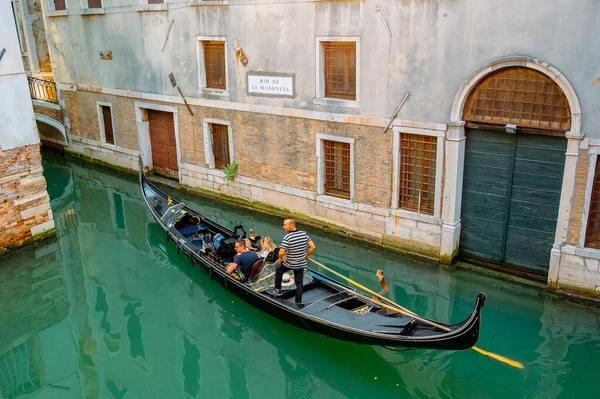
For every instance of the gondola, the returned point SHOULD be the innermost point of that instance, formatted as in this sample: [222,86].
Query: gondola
[329,307]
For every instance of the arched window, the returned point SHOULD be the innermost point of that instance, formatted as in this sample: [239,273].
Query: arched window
[520,96]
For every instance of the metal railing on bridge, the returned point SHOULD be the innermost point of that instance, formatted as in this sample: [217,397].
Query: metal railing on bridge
[43,90]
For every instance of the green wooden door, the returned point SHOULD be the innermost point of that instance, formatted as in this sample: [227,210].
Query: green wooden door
[511,194]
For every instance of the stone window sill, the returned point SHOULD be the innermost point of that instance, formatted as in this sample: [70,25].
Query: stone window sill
[215,172]
[151,7]
[57,13]
[588,253]
[45,104]
[92,11]
[214,92]
[208,2]
[335,102]
[419,217]
[344,203]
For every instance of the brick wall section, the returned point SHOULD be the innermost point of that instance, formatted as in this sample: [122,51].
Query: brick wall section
[49,112]
[577,204]
[270,148]
[24,203]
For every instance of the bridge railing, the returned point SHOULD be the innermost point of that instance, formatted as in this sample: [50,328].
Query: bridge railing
[43,90]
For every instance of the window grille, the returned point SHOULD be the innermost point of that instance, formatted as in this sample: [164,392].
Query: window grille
[521,96]
[214,64]
[340,69]
[592,235]
[337,168]
[220,145]
[417,172]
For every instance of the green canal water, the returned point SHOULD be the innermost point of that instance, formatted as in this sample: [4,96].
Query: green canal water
[109,309]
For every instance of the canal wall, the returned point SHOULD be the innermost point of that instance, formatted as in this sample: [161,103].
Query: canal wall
[25,213]
[277,173]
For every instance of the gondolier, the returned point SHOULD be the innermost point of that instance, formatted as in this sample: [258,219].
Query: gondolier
[295,248]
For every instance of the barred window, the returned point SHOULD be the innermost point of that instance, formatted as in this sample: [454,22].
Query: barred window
[417,172]
[592,236]
[337,169]
[214,64]
[340,69]
[220,145]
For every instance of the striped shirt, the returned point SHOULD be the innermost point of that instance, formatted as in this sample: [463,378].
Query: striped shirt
[295,247]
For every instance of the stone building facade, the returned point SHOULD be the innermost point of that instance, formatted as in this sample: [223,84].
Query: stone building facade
[25,213]
[302,106]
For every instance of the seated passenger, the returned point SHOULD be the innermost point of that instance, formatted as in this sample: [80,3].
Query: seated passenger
[243,260]
[249,246]
[267,245]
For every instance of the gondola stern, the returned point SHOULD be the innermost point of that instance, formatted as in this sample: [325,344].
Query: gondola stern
[471,335]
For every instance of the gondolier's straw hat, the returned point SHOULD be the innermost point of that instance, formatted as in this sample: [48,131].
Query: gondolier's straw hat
[287,280]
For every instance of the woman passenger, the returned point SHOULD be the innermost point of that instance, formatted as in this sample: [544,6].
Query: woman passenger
[267,246]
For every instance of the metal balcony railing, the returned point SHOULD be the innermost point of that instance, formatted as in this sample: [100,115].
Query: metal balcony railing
[43,90]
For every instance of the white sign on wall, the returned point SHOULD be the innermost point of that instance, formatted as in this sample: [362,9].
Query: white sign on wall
[271,85]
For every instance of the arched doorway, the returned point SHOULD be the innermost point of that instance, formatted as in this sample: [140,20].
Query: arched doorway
[516,119]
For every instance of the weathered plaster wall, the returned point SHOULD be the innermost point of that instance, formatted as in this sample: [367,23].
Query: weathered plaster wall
[24,204]
[38,31]
[434,47]
[17,124]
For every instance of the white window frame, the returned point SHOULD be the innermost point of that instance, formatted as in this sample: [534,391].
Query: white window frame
[209,156]
[99,105]
[143,131]
[320,98]
[85,10]
[202,89]
[439,165]
[589,187]
[321,196]
[144,6]
[51,6]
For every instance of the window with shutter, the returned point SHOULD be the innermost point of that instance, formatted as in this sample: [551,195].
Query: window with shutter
[340,70]
[214,64]
[109,137]
[220,145]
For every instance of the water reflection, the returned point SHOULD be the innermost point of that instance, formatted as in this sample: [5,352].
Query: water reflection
[298,382]
[109,309]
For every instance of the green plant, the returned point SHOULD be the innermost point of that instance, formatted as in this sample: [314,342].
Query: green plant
[231,171]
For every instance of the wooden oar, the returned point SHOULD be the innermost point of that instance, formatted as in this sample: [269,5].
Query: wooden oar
[405,311]
[397,307]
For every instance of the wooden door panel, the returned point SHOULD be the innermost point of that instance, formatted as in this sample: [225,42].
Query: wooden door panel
[535,199]
[163,142]
[488,168]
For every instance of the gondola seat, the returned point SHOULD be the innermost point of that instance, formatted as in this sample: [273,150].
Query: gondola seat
[256,268]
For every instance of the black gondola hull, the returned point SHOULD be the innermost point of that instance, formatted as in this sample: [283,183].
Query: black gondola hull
[463,335]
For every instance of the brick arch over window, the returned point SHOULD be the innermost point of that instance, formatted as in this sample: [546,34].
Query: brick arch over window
[521,96]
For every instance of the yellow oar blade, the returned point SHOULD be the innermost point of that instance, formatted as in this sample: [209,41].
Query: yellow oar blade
[499,358]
